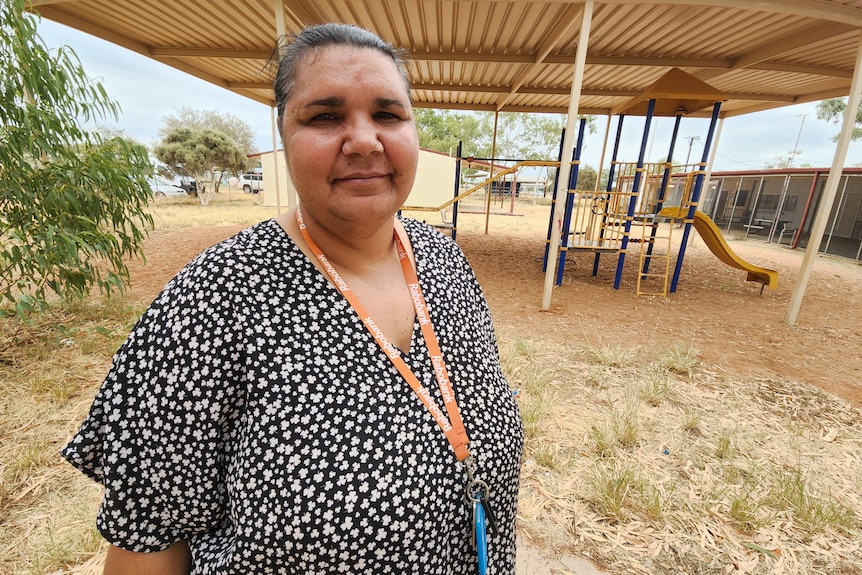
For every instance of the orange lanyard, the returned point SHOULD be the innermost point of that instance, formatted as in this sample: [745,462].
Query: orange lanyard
[453,426]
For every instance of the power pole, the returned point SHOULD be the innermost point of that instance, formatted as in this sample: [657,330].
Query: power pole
[691,140]
[795,149]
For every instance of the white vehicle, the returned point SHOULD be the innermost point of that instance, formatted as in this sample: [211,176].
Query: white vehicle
[251,183]
[162,188]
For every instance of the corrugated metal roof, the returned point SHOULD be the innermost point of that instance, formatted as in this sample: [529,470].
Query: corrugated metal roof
[497,55]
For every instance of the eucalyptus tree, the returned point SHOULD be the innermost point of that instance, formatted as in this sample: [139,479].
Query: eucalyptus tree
[832,110]
[229,124]
[205,155]
[73,202]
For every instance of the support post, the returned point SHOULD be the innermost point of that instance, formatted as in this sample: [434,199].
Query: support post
[828,198]
[695,197]
[278,7]
[610,187]
[574,104]
[456,190]
[567,214]
[491,173]
[662,192]
[553,201]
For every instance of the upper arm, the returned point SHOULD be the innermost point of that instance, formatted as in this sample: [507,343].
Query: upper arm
[175,560]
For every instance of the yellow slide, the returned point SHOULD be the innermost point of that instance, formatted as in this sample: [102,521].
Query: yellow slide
[715,242]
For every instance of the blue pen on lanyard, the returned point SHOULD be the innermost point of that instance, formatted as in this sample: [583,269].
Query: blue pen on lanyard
[481,536]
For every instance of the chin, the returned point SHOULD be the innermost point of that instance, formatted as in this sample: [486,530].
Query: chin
[373,207]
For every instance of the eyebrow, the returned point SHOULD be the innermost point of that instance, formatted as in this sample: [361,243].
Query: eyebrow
[329,102]
[339,102]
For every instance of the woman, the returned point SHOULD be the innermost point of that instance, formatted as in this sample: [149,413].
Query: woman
[320,393]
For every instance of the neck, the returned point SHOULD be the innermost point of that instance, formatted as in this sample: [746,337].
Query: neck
[352,249]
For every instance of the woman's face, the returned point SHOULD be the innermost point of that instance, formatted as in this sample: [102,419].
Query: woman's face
[349,137]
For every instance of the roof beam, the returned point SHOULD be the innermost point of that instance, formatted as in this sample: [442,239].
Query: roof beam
[573,15]
[775,48]
[509,108]
[724,64]
[607,93]
[467,57]
[462,88]
[567,59]
[173,52]
[646,61]
[179,52]
[802,69]
[820,9]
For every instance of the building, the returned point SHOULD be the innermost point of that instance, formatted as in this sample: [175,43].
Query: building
[779,206]
[434,185]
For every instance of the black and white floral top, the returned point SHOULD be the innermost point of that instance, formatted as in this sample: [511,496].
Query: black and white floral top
[251,413]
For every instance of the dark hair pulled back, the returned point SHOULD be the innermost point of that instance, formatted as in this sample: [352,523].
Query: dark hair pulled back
[295,47]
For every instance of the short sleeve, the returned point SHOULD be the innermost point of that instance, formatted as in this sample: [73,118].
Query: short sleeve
[158,431]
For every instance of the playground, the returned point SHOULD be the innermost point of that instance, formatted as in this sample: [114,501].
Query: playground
[714,309]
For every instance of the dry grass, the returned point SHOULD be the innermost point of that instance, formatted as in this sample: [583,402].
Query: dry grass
[646,461]
[228,207]
[661,466]
[51,368]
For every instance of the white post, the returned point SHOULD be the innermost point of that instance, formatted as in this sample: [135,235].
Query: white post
[275,178]
[825,207]
[711,163]
[566,156]
[278,7]
[491,172]
[602,157]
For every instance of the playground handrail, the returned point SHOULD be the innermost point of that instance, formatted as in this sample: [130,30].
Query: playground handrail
[479,186]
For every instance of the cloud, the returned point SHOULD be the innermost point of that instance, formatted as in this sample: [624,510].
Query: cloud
[148,90]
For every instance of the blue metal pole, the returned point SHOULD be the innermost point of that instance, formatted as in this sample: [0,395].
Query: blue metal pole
[695,196]
[553,201]
[621,259]
[570,197]
[662,190]
[610,186]
[457,187]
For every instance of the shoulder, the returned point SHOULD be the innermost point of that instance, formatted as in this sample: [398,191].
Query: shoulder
[428,241]
[245,254]
[438,258]
[254,242]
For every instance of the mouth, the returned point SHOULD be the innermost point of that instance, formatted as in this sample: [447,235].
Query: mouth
[361,179]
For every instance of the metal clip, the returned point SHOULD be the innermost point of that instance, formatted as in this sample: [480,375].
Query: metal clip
[470,465]
[477,491]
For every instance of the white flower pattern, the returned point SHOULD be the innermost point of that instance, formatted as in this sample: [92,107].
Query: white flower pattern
[251,413]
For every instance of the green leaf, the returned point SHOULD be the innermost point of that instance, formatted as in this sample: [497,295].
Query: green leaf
[763,550]
[68,195]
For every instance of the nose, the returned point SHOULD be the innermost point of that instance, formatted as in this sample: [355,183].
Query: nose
[361,138]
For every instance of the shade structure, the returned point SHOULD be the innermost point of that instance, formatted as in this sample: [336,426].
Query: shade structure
[511,56]
[675,93]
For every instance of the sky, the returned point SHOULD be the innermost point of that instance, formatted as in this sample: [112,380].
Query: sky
[148,91]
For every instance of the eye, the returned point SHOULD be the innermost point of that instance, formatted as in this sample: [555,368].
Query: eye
[325,117]
[387,116]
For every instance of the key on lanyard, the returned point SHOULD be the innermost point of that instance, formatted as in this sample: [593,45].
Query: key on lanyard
[478,494]
[480,536]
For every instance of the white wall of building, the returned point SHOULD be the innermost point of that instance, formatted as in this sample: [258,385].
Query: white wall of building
[434,185]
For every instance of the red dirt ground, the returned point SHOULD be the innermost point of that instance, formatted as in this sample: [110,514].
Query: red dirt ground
[725,318]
